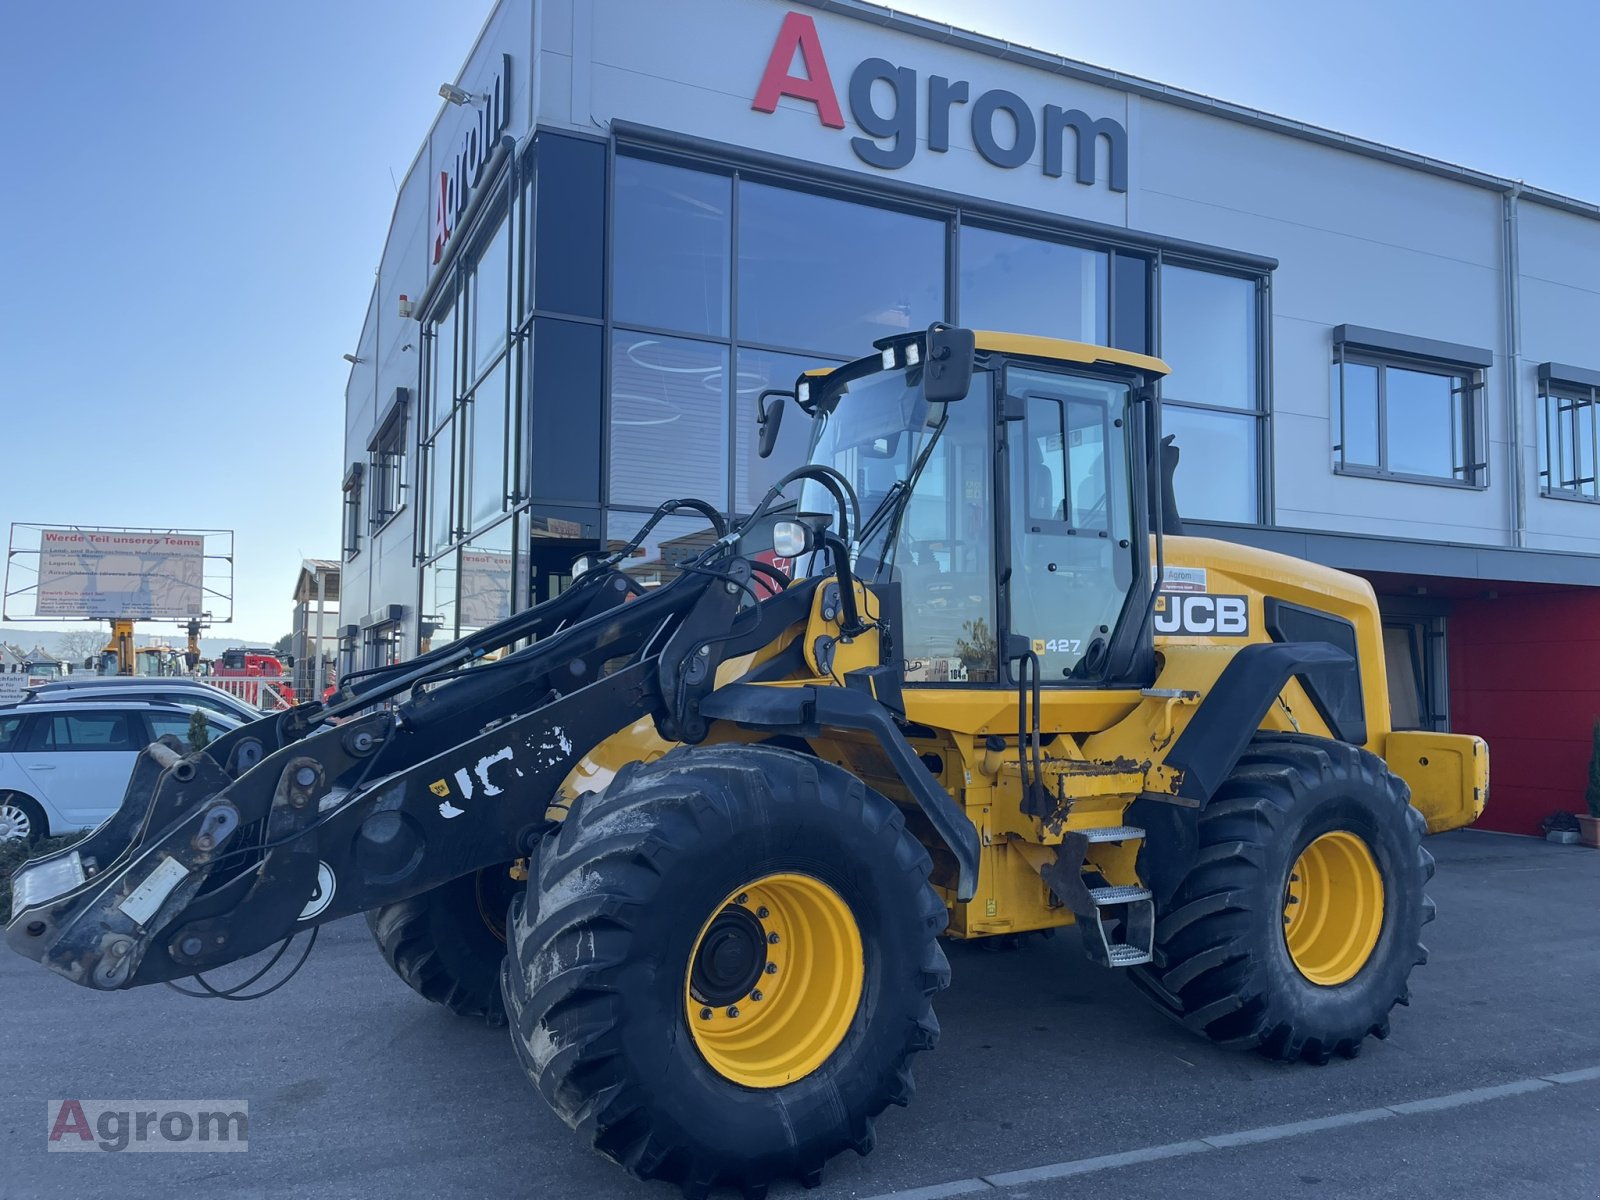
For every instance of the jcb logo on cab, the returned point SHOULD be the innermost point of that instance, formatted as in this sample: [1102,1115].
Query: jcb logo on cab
[1202,615]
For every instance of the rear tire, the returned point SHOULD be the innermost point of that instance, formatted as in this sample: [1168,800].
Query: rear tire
[641,881]
[448,943]
[1223,961]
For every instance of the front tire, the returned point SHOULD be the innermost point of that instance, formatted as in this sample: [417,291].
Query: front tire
[724,966]
[1298,924]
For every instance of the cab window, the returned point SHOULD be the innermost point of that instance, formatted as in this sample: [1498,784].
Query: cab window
[944,555]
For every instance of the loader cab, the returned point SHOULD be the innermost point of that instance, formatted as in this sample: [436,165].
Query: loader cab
[1014,520]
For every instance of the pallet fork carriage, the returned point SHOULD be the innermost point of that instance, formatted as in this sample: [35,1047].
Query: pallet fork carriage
[698,844]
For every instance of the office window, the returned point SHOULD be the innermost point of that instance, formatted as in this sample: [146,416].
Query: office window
[757,371]
[1571,439]
[352,510]
[1027,285]
[1213,402]
[669,420]
[386,462]
[672,241]
[437,614]
[490,296]
[819,273]
[484,462]
[442,374]
[1406,418]
[441,524]
[487,578]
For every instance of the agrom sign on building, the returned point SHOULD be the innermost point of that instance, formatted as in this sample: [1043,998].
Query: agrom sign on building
[1004,127]
[465,170]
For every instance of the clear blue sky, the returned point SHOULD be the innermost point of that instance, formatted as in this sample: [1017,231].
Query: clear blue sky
[197,194]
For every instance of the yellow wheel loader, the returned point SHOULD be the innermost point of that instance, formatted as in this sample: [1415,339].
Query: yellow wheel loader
[699,844]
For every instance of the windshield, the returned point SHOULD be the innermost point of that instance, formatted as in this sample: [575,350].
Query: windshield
[922,472]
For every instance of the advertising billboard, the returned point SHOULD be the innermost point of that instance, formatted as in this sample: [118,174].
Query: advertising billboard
[87,574]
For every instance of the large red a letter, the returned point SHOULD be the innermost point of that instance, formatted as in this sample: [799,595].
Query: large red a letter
[71,1119]
[799,32]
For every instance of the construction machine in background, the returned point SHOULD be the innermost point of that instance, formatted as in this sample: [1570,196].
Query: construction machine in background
[699,845]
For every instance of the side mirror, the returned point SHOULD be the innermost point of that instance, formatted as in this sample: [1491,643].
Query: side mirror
[769,419]
[948,375]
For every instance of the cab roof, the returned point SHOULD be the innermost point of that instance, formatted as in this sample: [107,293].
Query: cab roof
[1027,345]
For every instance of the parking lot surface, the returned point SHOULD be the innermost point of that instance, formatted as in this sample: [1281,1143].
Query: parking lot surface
[1053,1078]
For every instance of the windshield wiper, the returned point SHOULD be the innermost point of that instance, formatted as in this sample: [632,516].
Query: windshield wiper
[890,505]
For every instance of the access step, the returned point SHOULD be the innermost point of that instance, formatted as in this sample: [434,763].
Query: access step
[1113,833]
[1134,908]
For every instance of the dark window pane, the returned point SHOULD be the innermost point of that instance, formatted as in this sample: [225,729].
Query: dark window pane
[670,241]
[441,384]
[1360,414]
[569,219]
[441,519]
[566,405]
[1024,285]
[674,540]
[1216,479]
[1420,429]
[486,578]
[1130,296]
[489,299]
[822,274]
[438,618]
[1208,337]
[669,420]
[486,462]
[758,370]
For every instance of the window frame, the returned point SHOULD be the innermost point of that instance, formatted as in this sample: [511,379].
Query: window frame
[1260,411]
[386,464]
[1578,396]
[1469,442]
[353,530]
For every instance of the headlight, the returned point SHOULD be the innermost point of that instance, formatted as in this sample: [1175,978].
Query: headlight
[790,539]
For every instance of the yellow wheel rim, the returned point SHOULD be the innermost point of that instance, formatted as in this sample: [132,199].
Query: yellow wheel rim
[1333,908]
[774,980]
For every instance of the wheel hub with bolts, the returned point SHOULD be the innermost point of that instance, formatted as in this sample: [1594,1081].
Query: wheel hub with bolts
[15,824]
[774,981]
[1333,908]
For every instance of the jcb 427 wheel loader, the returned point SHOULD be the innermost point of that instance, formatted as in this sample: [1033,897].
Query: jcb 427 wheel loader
[1000,695]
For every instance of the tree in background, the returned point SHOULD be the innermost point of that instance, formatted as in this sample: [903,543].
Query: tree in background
[284,646]
[199,730]
[80,644]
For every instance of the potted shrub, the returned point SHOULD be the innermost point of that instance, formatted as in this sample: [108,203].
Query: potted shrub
[1589,825]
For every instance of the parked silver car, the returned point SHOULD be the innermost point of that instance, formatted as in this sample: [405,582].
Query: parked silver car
[64,765]
[133,687]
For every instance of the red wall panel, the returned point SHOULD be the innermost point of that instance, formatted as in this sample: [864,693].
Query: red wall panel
[1525,676]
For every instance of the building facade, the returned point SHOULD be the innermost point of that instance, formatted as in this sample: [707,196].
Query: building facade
[634,217]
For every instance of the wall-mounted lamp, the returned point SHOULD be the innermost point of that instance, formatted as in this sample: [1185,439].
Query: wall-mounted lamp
[352,359]
[456,95]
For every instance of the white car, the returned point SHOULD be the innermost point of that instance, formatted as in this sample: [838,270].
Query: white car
[64,766]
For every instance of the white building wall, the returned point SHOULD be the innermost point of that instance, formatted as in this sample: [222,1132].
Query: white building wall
[1560,291]
[1359,240]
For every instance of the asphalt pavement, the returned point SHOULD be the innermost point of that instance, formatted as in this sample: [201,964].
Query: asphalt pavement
[1053,1078]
